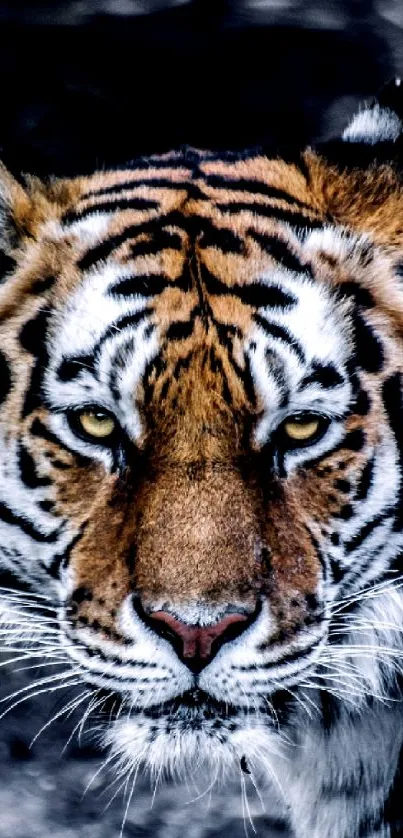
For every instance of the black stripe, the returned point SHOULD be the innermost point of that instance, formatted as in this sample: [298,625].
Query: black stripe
[110,206]
[296,219]
[181,364]
[70,368]
[345,512]
[28,472]
[280,333]
[353,441]
[114,659]
[336,568]
[279,250]
[366,530]
[216,365]
[361,296]
[247,379]
[393,402]
[342,485]
[256,187]
[10,517]
[292,658]
[102,251]
[145,285]
[33,333]
[124,322]
[369,351]
[154,183]
[38,428]
[154,368]
[393,810]
[33,339]
[361,403]
[7,266]
[365,482]
[225,334]
[177,161]
[63,558]
[47,505]
[181,329]
[163,240]
[33,396]
[42,284]
[5,377]
[256,294]
[355,574]
[324,374]
[218,237]
[118,362]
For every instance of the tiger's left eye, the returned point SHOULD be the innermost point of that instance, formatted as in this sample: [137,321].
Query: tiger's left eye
[303,429]
[97,423]
[94,424]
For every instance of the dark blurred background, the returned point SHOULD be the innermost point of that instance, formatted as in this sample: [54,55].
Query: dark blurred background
[91,83]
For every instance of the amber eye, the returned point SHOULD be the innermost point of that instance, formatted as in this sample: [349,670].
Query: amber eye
[303,429]
[94,423]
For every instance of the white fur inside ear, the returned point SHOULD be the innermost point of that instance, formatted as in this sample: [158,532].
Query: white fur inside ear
[374,125]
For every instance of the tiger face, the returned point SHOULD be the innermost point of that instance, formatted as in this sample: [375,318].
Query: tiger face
[201,442]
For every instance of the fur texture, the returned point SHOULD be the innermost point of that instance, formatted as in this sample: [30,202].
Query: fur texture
[203,302]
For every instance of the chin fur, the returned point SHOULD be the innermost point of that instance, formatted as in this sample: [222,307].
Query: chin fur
[184,752]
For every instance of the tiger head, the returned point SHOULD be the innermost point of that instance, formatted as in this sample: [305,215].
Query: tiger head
[201,434]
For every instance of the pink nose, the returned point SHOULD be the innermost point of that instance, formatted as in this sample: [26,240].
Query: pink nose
[195,643]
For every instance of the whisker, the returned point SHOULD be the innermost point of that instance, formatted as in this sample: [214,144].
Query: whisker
[30,696]
[72,705]
[60,662]
[371,592]
[21,594]
[40,683]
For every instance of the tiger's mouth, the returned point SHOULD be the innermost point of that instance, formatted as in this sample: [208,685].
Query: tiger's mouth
[196,708]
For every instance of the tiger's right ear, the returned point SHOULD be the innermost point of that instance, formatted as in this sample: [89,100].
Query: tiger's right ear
[16,219]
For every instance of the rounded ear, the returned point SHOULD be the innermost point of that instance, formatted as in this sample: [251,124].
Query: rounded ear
[375,133]
[15,208]
[358,178]
[380,121]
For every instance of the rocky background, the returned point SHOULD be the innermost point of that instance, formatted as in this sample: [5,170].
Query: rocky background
[91,83]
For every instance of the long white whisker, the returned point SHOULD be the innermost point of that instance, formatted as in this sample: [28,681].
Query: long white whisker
[32,595]
[40,683]
[29,696]
[61,662]
[72,705]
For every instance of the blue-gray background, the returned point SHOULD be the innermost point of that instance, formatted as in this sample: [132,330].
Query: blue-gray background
[89,83]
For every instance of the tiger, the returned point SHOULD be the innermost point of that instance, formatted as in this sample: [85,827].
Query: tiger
[201,458]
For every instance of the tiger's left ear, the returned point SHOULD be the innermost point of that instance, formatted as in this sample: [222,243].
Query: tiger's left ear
[381,121]
[358,178]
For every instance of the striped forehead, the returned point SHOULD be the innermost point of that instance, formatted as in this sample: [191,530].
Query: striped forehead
[293,346]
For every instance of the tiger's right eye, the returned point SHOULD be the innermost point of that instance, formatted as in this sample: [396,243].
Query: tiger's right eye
[302,429]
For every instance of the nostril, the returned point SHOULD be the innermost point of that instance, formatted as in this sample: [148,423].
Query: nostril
[196,645]
[197,641]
